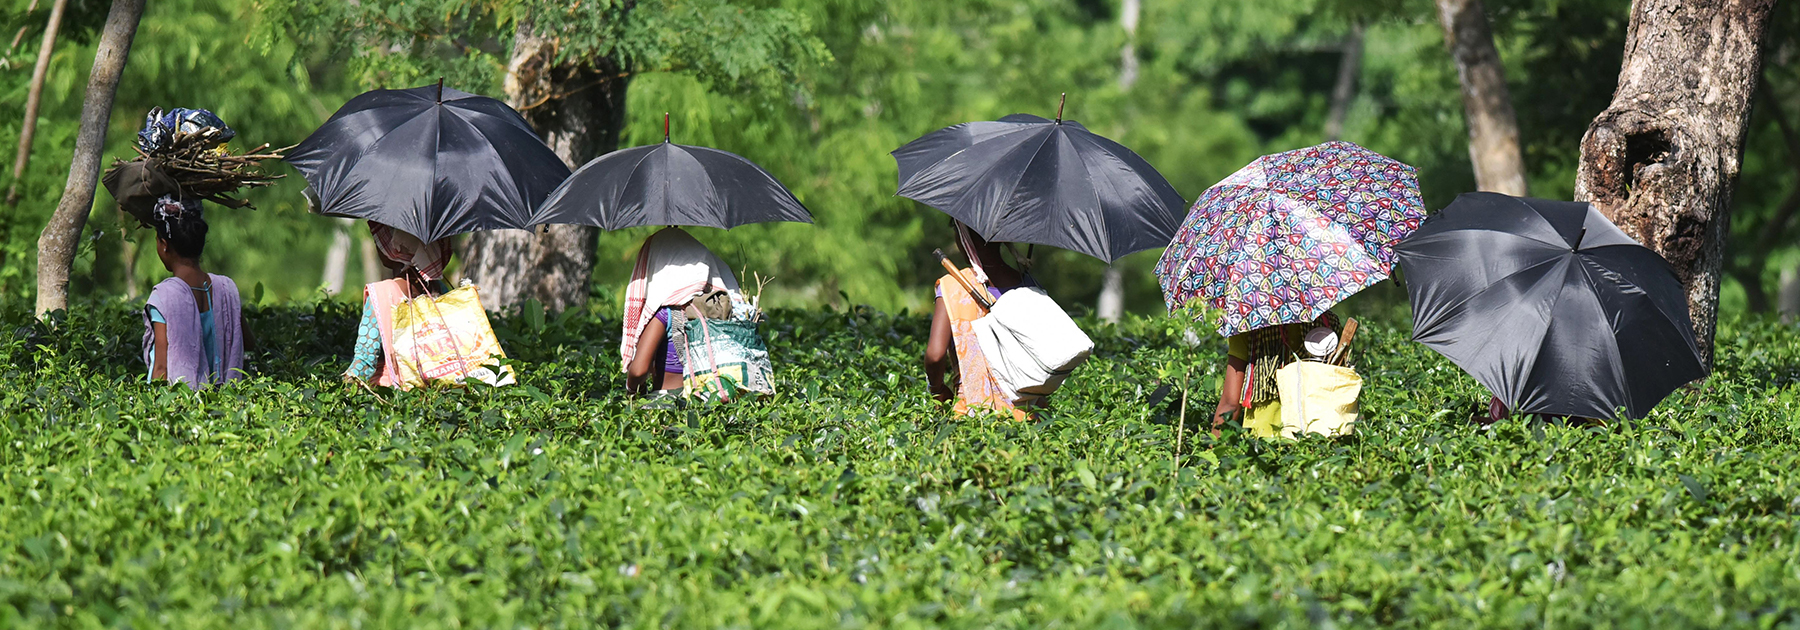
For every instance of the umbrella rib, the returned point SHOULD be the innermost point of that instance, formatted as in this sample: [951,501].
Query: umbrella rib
[1451,234]
[1490,285]
[1015,185]
[1612,341]
[1653,305]
[1659,311]
[630,176]
[357,158]
[437,147]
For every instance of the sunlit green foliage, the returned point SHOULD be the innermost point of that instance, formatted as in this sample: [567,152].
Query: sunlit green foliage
[188,53]
[819,91]
[850,500]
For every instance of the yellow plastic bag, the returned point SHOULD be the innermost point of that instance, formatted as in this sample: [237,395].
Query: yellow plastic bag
[445,340]
[1317,398]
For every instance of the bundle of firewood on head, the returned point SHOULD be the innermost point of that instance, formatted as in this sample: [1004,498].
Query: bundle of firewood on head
[182,157]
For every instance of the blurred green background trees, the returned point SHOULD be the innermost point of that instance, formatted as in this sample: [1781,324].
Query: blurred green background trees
[1218,83]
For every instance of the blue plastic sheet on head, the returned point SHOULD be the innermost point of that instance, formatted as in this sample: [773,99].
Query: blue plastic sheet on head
[160,127]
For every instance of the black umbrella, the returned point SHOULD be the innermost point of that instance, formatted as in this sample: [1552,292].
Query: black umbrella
[1550,306]
[1025,179]
[429,161]
[670,184]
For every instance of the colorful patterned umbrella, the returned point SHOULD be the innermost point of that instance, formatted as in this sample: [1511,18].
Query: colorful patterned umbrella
[1290,235]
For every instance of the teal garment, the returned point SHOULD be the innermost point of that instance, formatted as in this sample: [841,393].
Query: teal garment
[211,335]
[366,358]
[368,345]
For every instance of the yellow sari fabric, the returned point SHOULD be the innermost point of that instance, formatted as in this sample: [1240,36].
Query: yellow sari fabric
[976,391]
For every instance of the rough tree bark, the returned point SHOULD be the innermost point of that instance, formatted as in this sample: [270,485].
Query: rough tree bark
[579,109]
[1111,304]
[1493,129]
[1344,91]
[57,244]
[1662,159]
[33,98]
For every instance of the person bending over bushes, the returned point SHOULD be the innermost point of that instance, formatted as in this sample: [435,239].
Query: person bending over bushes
[953,318]
[419,268]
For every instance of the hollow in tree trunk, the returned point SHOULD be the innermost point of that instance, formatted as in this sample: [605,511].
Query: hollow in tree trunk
[1493,129]
[579,109]
[58,242]
[1662,159]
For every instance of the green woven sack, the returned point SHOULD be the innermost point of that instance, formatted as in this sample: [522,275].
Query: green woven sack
[727,360]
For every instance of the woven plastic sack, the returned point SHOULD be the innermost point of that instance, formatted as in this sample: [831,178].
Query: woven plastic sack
[1317,398]
[1030,344]
[445,340]
[726,360]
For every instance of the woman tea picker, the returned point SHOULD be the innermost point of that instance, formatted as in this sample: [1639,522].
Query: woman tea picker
[676,280]
[419,268]
[953,334]
[1251,360]
[193,323]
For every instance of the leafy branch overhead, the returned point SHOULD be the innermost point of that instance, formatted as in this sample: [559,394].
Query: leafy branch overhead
[394,43]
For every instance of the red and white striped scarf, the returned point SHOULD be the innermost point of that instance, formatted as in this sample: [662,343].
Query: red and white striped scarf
[671,269]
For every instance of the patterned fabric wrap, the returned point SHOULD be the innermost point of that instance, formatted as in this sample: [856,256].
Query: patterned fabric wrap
[398,246]
[1291,235]
[726,360]
[168,208]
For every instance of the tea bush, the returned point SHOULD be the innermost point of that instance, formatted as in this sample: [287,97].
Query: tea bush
[850,499]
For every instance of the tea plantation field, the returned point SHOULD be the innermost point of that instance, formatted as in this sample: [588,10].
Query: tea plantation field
[850,500]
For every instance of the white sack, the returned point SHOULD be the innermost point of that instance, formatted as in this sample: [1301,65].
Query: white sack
[1030,344]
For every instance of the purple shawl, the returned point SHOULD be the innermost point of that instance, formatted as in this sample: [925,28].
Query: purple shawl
[187,361]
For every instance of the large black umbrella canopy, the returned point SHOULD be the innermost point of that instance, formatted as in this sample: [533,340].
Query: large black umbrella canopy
[670,184]
[429,161]
[1025,179]
[1550,306]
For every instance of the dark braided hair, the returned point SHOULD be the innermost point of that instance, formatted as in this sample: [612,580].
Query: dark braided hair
[185,233]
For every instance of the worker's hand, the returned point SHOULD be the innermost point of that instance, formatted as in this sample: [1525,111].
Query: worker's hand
[942,392]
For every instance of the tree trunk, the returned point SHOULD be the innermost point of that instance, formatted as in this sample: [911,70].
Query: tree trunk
[371,267]
[579,110]
[1774,232]
[337,258]
[1787,301]
[1128,61]
[1756,298]
[33,98]
[57,244]
[1493,129]
[1662,159]
[1111,304]
[1349,68]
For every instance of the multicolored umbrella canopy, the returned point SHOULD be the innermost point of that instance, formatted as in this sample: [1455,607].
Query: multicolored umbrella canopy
[1292,234]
